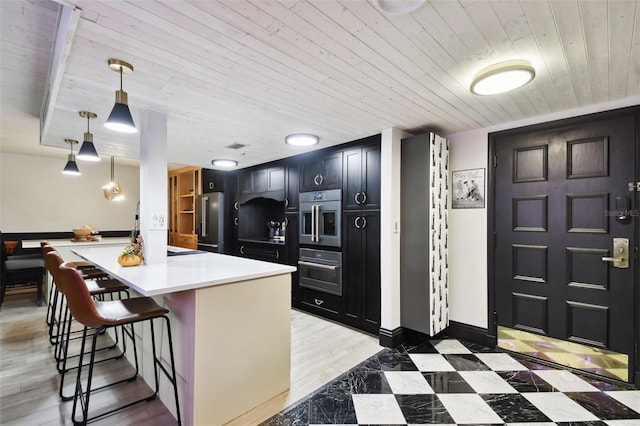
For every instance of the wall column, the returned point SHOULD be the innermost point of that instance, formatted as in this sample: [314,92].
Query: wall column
[153,186]
[390,330]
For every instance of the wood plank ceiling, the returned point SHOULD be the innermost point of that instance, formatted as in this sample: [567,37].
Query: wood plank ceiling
[251,72]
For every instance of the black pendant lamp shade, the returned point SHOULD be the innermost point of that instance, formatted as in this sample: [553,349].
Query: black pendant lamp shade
[120,118]
[71,168]
[88,150]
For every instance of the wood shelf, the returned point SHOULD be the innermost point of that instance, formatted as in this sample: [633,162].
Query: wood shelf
[184,184]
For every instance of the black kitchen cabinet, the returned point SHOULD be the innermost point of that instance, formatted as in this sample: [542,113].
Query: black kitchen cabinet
[292,249]
[361,177]
[361,266]
[320,173]
[232,211]
[292,187]
[265,182]
[270,252]
[212,180]
[321,303]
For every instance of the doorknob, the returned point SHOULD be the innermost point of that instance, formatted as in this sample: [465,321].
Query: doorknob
[621,253]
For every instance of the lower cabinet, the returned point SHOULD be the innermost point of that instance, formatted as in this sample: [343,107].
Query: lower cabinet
[321,303]
[189,241]
[361,266]
[262,251]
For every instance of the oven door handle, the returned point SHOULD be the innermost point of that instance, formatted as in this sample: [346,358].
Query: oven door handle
[317,265]
[317,207]
[313,223]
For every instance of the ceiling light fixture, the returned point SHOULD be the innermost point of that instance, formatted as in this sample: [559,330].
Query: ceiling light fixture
[112,190]
[502,77]
[398,7]
[120,118]
[301,139]
[88,150]
[71,168]
[225,164]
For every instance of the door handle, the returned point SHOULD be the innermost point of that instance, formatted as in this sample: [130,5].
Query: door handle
[356,197]
[364,197]
[203,217]
[356,222]
[317,223]
[241,249]
[621,253]
[235,221]
[318,301]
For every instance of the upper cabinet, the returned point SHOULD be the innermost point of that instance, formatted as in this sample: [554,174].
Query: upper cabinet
[321,173]
[361,177]
[292,187]
[212,180]
[267,182]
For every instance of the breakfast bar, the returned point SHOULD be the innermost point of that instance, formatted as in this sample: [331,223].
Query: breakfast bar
[230,320]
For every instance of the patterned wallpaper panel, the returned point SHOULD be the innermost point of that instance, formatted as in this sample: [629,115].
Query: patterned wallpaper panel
[439,228]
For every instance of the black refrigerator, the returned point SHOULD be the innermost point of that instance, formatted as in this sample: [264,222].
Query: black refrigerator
[210,222]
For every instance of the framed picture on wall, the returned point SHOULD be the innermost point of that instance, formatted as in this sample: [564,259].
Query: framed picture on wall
[468,189]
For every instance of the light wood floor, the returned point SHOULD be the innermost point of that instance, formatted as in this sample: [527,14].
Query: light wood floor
[320,351]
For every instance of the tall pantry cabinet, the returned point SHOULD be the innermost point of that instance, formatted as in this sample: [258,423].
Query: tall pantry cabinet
[424,269]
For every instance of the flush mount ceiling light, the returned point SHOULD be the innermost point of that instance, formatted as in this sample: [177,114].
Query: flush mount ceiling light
[120,118]
[71,168]
[112,191]
[398,7]
[502,77]
[301,139]
[88,150]
[226,164]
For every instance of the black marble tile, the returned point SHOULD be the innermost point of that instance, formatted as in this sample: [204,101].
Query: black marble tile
[423,409]
[466,362]
[513,407]
[525,381]
[297,416]
[331,408]
[396,362]
[448,382]
[603,406]
[532,365]
[423,348]
[588,423]
[474,347]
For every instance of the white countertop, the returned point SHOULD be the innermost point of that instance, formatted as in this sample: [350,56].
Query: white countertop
[179,273]
[71,243]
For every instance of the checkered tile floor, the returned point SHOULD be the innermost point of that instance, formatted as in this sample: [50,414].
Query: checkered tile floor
[452,382]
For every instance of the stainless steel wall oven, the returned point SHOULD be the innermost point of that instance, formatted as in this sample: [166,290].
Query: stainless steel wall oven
[320,213]
[321,270]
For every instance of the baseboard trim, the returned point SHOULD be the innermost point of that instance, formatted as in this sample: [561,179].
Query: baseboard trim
[391,338]
[470,333]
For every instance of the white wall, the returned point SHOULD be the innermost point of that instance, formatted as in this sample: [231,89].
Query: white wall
[36,197]
[468,227]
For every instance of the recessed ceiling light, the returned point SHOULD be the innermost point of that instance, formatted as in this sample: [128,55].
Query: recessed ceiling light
[398,7]
[502,77]
[226,164]
[301,139]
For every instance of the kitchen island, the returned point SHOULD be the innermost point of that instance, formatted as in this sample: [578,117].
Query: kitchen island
[230,323]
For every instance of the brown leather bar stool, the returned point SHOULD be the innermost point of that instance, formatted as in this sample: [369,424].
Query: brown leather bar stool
[64,333]
[91,272]
[101,315]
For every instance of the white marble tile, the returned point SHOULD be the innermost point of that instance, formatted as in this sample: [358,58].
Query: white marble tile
[408,382]
[565,381]
[377,409]
[468,408]
[486,382]
[431,362]
[532,424]
[559,407]
[627,422]
[630,398]
[500,362]
[450,346]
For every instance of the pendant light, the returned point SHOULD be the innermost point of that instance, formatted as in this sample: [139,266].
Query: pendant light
[71,168]
[120,118]
[224,163]
[88,150]
[112,190]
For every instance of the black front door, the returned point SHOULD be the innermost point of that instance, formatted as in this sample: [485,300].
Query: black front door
[558,193]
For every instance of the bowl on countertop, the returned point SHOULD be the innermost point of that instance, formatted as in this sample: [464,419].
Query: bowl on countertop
[81,233]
